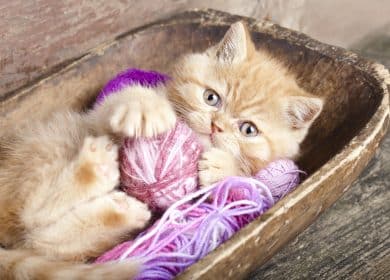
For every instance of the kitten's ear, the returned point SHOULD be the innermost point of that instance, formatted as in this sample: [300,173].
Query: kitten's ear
[236,45]
[301,111]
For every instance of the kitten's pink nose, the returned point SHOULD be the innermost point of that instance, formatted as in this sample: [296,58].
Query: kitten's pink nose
[215,128]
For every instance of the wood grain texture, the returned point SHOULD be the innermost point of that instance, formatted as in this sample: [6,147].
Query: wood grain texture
[38,37]
[351,240]
[41,35]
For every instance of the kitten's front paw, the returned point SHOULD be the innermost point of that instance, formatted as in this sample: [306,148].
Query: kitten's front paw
[145,114]
[215,165]
[98,164]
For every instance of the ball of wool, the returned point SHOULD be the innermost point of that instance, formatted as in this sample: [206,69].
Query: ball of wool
[162,169]
[130,77]
[159,170]
[280,176]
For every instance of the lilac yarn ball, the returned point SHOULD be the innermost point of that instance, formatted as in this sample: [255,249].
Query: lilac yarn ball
[280,176]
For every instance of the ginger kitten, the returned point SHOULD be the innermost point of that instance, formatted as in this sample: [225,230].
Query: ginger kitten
[243,103]
[59,205]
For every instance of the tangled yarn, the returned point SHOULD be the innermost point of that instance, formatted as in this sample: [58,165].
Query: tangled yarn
[189,230]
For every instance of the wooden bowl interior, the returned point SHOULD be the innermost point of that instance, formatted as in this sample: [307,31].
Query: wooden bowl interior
[351,96]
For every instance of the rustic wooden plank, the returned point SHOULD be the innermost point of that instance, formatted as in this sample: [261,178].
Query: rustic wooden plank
[37,36]
[40,36]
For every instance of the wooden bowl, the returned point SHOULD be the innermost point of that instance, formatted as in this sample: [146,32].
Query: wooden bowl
[339,145]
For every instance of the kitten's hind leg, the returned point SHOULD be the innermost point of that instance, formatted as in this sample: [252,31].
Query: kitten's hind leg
[92,173]
[92,227]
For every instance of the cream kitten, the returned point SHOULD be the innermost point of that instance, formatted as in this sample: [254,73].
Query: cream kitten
[58,199]
[243,103]
[58,202]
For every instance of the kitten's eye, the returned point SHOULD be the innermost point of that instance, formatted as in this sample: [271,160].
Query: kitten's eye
[211,97]
[248,129]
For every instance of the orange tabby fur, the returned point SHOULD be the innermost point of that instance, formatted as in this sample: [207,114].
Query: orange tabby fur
[58,203]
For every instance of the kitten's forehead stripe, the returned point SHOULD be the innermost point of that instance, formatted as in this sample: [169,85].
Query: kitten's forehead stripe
[252,111]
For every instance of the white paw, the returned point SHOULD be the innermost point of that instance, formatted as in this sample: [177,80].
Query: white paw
[137,214]
[145,114]
[215,165]
[101,155]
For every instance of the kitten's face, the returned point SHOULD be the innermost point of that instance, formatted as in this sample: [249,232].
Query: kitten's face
[243,101]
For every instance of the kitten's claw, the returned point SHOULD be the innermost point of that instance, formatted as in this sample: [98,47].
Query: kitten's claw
[215,165]
[145,114]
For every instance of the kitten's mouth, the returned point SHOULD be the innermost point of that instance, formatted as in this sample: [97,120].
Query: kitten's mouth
[213,139]
[206,139]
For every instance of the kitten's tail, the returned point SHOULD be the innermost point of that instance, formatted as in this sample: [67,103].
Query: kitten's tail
[23,265]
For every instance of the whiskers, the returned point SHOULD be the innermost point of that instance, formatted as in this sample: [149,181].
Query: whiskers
[181,109]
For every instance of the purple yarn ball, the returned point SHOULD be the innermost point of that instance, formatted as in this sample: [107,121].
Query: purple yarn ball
[130,77]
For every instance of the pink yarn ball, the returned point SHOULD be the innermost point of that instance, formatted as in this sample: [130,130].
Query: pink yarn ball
[163,169]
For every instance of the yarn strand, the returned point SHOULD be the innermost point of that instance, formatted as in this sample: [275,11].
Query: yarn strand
[198,223]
